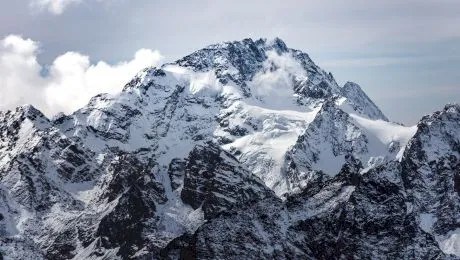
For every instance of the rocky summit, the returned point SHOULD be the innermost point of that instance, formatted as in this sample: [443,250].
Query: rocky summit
[240,150]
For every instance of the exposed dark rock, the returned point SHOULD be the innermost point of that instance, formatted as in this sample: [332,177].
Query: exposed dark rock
[216,181]
[176,172]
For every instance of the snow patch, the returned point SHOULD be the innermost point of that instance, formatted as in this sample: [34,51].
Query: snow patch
[450,243]
[263,150]
[427,221]
[383,135]
[386,132]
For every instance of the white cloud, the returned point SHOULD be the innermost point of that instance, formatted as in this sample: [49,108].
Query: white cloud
[274,85]
[53,6]
[72,80]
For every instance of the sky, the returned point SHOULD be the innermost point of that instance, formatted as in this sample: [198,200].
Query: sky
[56,54]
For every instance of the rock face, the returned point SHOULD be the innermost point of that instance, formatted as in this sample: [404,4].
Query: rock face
[215,181]
[349,216]
[240,150]
[431,169]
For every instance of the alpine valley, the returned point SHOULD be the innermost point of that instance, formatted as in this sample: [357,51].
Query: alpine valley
[240,150]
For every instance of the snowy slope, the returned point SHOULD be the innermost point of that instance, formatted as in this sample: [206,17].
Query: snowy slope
[333,137]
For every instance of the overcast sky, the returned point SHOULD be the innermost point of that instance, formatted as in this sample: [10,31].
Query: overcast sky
[404,54]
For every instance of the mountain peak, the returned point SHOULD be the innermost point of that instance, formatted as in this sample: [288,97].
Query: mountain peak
[26,112]
[273,44]
[451,112]
[29,111]
[360,101]
[452,108]
[236,63]
[265,69]
[242,54]
[262,43]
[350,85]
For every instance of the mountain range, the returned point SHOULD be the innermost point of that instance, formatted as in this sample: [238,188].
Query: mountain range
[240,150]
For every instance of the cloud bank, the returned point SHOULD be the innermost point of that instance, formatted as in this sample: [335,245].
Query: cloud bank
[70,81]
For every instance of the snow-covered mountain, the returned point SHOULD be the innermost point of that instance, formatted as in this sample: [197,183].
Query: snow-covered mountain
[240,150]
